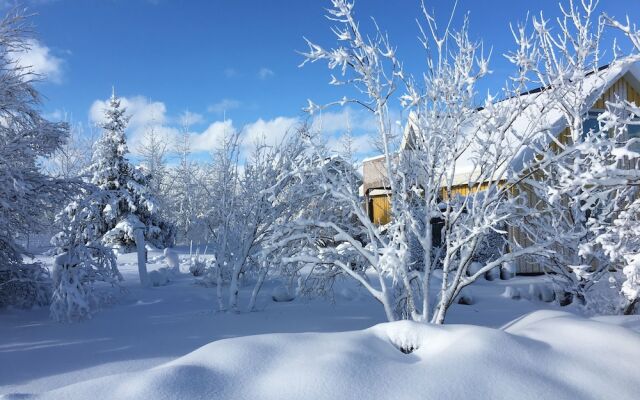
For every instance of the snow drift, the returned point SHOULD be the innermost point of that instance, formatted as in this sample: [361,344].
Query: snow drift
[546,354]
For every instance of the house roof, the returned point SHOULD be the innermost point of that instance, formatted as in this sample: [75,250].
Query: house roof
[540,114]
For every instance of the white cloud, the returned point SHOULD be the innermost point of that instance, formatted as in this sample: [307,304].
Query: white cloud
[231,72]
[188,118]
[211,138]
[55,115]
[223,106]
[270,131]
[265,73]
[39,59]
[143,112]
[332,122]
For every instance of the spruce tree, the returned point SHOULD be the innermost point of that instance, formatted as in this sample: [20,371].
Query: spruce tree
[129,201]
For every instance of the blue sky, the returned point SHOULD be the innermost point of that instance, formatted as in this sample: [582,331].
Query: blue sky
[166,56]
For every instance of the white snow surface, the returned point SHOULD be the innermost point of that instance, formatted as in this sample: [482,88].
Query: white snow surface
[546,354]
[315,349]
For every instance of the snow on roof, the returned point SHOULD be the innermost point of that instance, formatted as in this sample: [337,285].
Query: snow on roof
[541,115]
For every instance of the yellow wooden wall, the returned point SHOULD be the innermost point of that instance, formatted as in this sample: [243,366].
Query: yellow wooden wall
[380,209]
[380,205]
[622,85]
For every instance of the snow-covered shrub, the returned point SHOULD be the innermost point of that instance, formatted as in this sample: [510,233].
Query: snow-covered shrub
[25,286]
[546,293]
[533,292]
[250,212]
[82,260]
[75,273]
[197,266]
[511,292]
[173,261]
[282,294]
[466,297]
[507,271]
[493,274]
[160,277]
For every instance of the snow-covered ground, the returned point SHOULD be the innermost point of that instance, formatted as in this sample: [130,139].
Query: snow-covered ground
[145,335]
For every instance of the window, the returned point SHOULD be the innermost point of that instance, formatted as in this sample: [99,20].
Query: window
[590,123]
[633,132]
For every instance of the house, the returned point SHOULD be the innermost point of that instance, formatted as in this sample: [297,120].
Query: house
[619,80]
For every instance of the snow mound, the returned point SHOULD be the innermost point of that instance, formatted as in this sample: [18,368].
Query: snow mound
[281,294]
[544,355]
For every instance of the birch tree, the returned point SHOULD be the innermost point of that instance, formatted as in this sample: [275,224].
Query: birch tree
[451,145]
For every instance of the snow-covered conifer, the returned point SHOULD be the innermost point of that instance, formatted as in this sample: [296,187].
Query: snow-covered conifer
[130,201]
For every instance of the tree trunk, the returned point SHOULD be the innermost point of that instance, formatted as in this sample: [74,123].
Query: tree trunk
[219,288]
[630,308]
[142,257]
[257,287]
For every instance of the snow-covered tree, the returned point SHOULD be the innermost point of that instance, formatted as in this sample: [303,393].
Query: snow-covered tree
[130,201]
[25,192]
[564,59]
[82,260]
[450,144]
[153,153]
[185,192]
[74,157]
[601,178]
[251,205]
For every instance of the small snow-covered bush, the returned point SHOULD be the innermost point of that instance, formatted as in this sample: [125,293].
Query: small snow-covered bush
[281,294]
[25,286]
[534,292]
[172,260]
[82,259]
[159,277]
[546,294]
[474,268]
[466,297]
[492,274]
[197,267]
[75,273]
[73,298]
[507,271]
[511,293]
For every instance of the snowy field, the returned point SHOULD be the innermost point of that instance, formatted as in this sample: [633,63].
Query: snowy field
[167,342]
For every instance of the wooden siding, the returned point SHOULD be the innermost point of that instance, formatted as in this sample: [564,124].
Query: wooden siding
[380,209]
[620,87]
[464,190]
